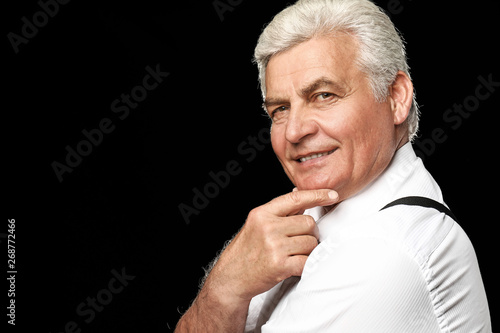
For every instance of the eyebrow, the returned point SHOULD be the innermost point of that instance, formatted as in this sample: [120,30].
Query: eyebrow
[317,84]
[306,91]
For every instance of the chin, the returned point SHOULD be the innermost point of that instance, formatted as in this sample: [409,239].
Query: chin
[317,183]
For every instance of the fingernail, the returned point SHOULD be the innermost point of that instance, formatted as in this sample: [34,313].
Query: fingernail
[295,189]
[333,195]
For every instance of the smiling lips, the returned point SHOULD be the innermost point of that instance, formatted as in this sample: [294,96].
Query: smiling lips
[315,155]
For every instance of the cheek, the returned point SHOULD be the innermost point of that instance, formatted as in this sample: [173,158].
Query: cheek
[340,126]
[361,121]
[278,143]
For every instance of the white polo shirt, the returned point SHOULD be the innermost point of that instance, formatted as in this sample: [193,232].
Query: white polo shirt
[402,269]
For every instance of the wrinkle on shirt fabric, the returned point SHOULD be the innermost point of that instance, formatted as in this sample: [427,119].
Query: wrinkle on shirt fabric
[403,269]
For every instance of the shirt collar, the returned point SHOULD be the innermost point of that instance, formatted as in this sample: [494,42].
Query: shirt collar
[384,189]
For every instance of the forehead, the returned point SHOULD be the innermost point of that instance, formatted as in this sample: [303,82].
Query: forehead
[332,57]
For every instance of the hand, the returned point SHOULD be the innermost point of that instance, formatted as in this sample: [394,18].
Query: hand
[273,245]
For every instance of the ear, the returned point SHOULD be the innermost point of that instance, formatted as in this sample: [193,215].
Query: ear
[401,96]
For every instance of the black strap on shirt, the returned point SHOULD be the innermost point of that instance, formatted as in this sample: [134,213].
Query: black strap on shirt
[423,202]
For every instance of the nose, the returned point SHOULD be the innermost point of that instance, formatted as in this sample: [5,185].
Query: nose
[300,125]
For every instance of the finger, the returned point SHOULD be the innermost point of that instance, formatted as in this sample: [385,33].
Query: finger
[301,245]
[294,265]
[296,202]
[299,225]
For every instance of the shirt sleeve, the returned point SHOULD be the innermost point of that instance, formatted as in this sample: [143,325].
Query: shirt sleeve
[364,284]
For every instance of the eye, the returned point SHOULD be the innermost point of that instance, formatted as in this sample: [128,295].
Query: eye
[324,96]
[279,113]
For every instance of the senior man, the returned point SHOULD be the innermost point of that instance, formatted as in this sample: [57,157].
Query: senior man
[364,242]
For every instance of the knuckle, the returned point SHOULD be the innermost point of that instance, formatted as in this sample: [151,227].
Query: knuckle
[276,261]
[319,196]
[300,198]
[309,222]
[255,215]
[273,247]
[295,266]
[282,275]
[312,242]
[294,198]
[308,244]
[262,223]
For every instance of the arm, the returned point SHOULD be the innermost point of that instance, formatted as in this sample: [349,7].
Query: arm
[198,313]
[212,313]
[272,245]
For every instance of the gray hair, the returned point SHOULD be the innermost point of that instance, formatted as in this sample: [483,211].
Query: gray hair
[381,48]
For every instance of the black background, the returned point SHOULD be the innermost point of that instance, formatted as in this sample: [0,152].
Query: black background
[118,209]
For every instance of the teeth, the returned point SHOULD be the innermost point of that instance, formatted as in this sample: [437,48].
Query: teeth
[310,157]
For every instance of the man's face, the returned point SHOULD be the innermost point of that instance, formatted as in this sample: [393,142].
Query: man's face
[328,130]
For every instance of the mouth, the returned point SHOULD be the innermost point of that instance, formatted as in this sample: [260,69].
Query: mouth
[314,156]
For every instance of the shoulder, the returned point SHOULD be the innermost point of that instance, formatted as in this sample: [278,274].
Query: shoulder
[413,230]
[374,247]
[361,283]
[396,264]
